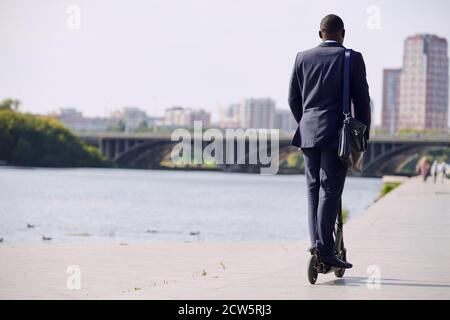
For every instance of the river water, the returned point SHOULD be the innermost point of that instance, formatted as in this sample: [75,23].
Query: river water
[75,206]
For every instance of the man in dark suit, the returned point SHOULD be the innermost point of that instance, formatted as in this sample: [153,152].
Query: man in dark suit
[315,99]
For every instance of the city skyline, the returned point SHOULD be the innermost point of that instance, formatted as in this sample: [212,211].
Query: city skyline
[391,93]
[257,113]
[415,96]
[113,61]
[423,101]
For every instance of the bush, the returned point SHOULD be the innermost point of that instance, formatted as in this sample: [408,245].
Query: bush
[345,214]
[388,187]
[41,141]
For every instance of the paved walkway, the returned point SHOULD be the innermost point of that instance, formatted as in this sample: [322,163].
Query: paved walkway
[404,238]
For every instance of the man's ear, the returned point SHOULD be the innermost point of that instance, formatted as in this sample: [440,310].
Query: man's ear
[320,34]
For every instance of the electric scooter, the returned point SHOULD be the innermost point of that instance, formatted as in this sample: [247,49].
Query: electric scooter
[315,266]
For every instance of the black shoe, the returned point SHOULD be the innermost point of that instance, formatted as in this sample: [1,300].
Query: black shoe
[335,262]
[312,249]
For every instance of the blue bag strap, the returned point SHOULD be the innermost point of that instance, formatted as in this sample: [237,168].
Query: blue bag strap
[346,93]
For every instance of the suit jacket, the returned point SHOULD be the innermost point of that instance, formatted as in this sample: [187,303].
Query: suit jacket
[315,94]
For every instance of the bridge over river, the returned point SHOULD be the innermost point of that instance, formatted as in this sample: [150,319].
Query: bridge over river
[385,155]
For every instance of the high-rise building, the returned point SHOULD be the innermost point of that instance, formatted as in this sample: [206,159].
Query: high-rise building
[257,113]
[74,120]
[185,117]
[423,100]
[284,120]
[249,113]
[201,115]
[228,116]
[391,94]
[177,116]
[132,118]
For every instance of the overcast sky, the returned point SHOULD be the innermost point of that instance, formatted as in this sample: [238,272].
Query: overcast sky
[199,53]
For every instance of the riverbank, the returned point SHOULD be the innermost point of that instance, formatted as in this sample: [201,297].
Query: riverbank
[112,206]
[403,238]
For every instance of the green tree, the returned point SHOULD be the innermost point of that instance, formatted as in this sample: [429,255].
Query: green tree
[143,127]
[42,141]
[119,127]
[10,104]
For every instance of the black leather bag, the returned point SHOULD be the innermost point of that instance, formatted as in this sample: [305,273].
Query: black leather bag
[352,141]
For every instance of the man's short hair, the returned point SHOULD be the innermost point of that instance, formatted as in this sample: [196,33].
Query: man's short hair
[331,24]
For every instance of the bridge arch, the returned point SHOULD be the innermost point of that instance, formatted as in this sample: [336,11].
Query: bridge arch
[144,155]
[385,155]
[393,160]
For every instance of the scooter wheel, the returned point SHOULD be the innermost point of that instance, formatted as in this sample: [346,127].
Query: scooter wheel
[340,272]
[312,269]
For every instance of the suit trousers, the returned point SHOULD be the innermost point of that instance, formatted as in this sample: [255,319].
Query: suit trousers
[325,178]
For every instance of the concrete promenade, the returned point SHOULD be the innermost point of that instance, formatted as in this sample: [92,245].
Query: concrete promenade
[404,238]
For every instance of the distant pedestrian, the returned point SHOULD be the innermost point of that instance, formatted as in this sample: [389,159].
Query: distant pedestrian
[423,168]
[444,169]
[434,170]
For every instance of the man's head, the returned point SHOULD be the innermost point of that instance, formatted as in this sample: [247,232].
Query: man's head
[332,28]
